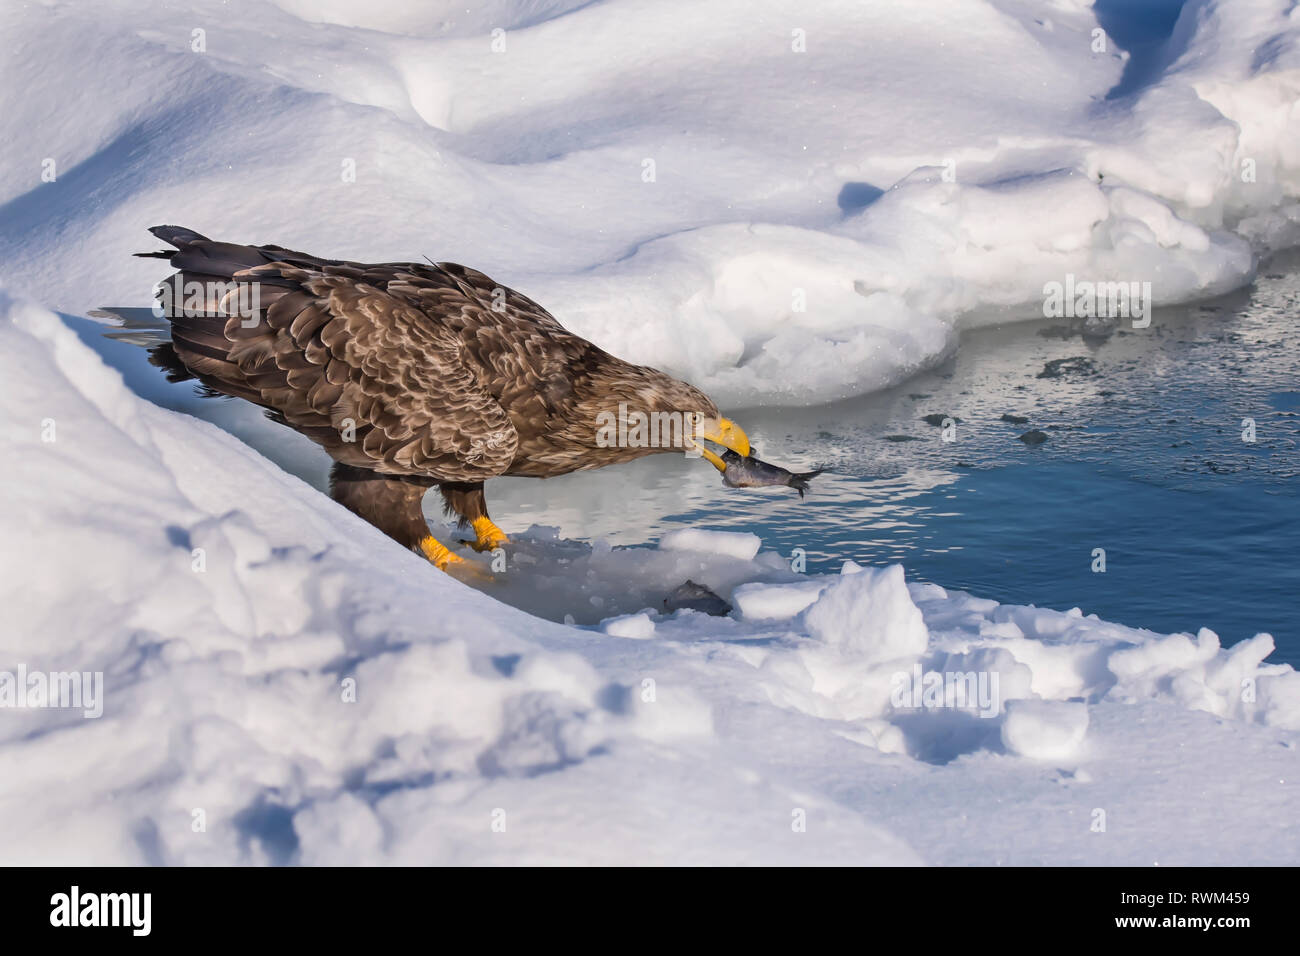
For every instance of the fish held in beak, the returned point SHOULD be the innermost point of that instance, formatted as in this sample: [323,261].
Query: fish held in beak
[743,471]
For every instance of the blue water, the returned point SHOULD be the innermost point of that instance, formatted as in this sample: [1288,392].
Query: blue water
[1145,459]
[1220,556]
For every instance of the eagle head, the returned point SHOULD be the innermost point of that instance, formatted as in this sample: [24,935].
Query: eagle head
[649,411]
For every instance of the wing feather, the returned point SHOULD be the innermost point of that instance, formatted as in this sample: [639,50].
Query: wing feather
[433,370]
[371,377]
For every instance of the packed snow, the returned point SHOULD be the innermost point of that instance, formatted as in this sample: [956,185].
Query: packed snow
[745,194]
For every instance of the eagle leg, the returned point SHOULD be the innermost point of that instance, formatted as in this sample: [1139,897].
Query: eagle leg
[392,504]
[490,537]
[438,553]
[466,501]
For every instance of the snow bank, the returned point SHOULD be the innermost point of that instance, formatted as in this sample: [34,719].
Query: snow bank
[783,206]
[283,684]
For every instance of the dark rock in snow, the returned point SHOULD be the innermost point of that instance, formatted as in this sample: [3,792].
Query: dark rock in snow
[696,597]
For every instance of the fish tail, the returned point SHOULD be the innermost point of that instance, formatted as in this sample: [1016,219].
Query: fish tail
[799,482]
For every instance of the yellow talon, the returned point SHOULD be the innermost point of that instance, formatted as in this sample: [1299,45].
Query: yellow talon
[437,553]
[489,535]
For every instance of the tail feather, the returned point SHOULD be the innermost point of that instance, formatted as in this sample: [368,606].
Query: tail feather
[178,236]
[188,342]
[200,255]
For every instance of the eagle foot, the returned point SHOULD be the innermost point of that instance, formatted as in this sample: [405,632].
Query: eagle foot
[437,553]
[490,537]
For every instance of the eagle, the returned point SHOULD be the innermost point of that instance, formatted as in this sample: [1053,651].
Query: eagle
[416,375]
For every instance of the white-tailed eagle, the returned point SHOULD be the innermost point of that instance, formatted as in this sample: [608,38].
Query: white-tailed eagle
[415,375]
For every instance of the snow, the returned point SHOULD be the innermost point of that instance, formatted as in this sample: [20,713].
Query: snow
[1053,731]
[669,193]
[287,677]
[283,684]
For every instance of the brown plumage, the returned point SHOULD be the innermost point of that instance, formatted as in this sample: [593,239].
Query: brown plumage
[409,375]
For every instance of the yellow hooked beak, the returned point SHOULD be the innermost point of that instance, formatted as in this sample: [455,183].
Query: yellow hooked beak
[724,432]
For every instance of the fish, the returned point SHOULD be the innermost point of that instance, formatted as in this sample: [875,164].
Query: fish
[750,472]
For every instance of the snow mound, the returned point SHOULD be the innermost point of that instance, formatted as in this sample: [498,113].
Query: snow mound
[1199,674]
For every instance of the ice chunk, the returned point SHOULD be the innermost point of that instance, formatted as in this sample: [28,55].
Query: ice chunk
[776,602]
[735,544]
[870,614]
[638,626]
